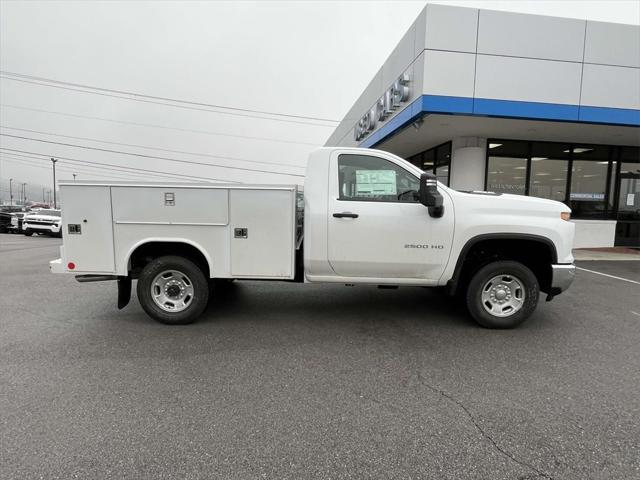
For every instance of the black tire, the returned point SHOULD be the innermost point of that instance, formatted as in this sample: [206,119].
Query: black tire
[195,275]
[530,291]
[28,233]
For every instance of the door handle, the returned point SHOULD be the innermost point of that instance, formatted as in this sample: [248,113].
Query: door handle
[345,215]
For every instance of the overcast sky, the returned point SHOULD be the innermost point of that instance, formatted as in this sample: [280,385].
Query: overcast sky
[310,59]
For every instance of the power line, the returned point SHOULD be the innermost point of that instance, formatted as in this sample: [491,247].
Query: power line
[166,104]
[118,168]
[136,97]
[120,152]
[37,163]
[135,94]
[67,169]
[73,169]
[122,169]
[150,148]
[134,171]
[170,174]
[137,124]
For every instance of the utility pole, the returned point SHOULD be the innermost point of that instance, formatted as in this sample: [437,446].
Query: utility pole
[42,194]
[53,161]
[24,193]
[11,191]
[74,177]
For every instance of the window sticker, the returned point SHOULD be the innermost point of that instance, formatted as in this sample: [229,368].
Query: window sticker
[587,196]
[372,183]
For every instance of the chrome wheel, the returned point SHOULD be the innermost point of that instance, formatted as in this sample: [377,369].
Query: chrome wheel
[172,291]
[503,295]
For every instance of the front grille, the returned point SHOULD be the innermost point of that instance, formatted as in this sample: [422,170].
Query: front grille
[36,223]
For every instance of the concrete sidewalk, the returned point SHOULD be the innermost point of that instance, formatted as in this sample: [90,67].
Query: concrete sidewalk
[614,253]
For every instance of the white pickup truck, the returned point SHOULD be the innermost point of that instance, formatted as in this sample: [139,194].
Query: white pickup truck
[365,217]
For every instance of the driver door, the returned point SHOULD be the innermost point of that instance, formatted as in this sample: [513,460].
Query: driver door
[376,226]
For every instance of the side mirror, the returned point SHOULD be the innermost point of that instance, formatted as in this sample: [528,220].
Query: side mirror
[430,196]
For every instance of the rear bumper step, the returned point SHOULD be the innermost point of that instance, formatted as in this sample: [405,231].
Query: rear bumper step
[95,278]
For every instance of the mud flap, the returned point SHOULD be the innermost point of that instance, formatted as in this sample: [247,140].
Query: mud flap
[124,292]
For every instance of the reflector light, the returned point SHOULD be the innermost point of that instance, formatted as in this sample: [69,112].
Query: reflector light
[71,265]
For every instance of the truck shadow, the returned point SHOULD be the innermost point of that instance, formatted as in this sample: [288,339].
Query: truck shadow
[326,303]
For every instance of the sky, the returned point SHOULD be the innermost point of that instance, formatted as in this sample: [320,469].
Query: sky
[308,61]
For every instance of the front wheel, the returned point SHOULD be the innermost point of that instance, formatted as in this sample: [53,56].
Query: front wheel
[28,233]
[173,290]
[502,294]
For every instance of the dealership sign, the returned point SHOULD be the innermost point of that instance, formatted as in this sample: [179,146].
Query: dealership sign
[392,99]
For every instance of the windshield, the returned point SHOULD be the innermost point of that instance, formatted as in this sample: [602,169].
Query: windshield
[51,213]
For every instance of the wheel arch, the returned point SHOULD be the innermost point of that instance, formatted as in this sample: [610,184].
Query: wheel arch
[143,251]
[541,248]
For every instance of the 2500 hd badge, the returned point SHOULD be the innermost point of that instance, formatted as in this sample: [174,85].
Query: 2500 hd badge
[417,245]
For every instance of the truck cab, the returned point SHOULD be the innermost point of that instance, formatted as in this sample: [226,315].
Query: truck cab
[368,217]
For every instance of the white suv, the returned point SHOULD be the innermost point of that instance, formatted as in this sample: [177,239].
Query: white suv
[47,221]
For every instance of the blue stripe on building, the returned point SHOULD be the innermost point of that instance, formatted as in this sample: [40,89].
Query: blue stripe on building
[427,104]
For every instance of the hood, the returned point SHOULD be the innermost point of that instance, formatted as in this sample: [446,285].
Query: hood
[509,202]
[535,201]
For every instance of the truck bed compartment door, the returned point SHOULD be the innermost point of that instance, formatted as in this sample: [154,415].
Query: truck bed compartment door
[87,228]
[262,231]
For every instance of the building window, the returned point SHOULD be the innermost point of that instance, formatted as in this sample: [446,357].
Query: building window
[507,175]
[585,177]
[428,160]
[589,181]
[549,170]
[629,186]
[507,166]
[442,163]
[436,160]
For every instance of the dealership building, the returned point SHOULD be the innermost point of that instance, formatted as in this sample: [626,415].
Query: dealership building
[515,103]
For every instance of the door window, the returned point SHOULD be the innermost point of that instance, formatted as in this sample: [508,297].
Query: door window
[374,179]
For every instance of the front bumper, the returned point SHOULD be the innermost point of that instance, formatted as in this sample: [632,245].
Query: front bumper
[37,227]
[562,277]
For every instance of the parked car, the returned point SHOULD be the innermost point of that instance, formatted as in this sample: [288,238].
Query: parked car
[5,222]
[16,222]
[5,216]
[46,221]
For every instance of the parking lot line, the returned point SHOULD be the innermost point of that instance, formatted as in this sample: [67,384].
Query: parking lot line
[610,276]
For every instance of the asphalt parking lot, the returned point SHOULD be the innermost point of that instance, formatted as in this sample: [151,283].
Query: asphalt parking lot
[314,381]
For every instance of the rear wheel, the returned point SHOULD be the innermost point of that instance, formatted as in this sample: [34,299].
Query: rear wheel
[28,233]
[173,290]
[502,294]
